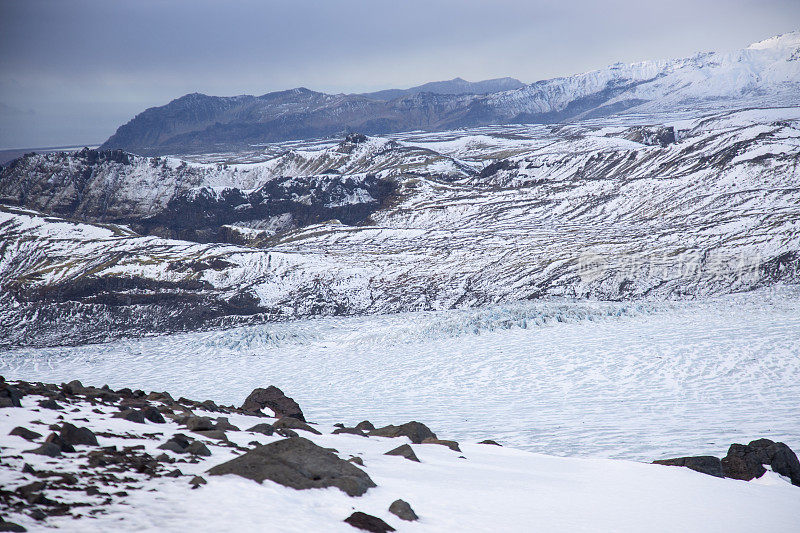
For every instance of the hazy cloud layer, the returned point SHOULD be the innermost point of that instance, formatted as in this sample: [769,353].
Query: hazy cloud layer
[72,71]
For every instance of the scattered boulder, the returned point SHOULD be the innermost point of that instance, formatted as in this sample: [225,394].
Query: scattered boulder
[74,387]
[742,462]
[153,415]
[223,424]
[297,463]
[196,481]
[11,526]
[367,522]
[285,432]
[25,433]
[175,473]
[288,422]
[403,511]
[198,448]
[9,396]
[453,445]
[415,431]
[365,425]
[131,415]
[273,398]
[48,449]
[705,464]
[356,460]
[264,428]
[49,403]
[353,431]
[213,434]
[61,443]
[71,434]
[491,442]
[404,451]
[198,423]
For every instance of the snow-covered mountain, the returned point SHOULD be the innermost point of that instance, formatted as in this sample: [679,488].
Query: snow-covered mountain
[764,74]
[454,86]
[599,209]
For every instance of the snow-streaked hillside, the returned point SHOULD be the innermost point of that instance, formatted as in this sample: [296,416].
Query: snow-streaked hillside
[589,211]
[765,73]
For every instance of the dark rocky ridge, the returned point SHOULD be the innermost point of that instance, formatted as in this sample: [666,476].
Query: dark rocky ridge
[93,186]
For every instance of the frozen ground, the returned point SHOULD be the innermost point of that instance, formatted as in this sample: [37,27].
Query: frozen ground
[482,488]
[635,381]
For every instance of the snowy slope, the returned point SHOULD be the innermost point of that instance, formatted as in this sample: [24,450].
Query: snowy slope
[570,211]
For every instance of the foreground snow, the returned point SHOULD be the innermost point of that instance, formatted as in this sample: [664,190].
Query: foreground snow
[484,488]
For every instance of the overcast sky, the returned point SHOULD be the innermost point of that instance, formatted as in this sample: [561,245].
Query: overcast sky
[71,72]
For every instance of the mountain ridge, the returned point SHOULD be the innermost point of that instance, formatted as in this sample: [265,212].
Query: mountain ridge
[765,74]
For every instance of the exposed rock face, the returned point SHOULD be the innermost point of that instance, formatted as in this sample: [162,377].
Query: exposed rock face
[300,464]
[705,464]
[273,398]
[415,431]
[75,435]
[368,522]
[403,510]
[406,451]
[289,422]
[745,461]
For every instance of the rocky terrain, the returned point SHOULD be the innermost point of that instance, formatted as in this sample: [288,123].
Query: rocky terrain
[764,74]
[77,457]
[601,210]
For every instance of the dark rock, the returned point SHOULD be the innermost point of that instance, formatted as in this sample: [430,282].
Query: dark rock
[490,441]
[153,415]
[48,448]
[403,511]
[264,428]
[415,431]
[196,481]
[164,458]
[10,526]
[453,445]
[74,387]
[49,404]
[273,398]
[779,457]
[30,488]
[25,433]
[174,473]
[213,434]
[28,469]
[61,443]
[198,423]
[223,424]
[288,433]
[354,431]
[198,448]
[365,425]
[9,396]
[173,446]
[705,464]
[289,422]
[131,415]
[367,522]
[75,435]
[404,451]
[743,462]
[356,460]
[297,463]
